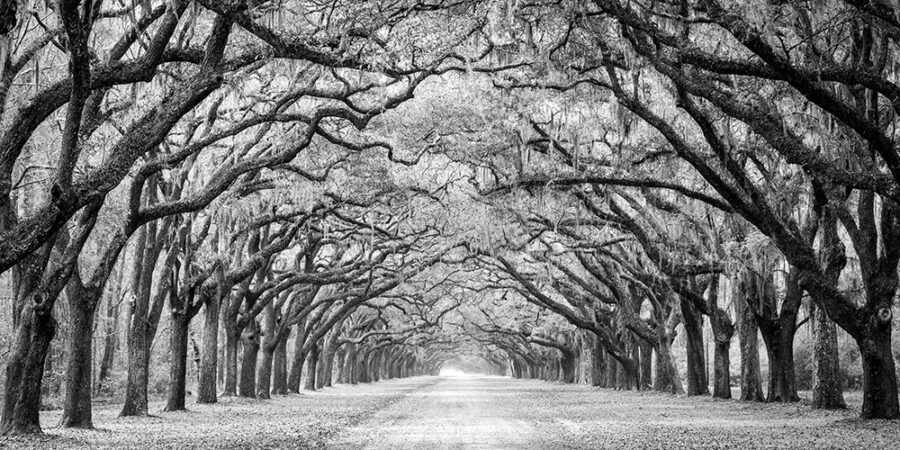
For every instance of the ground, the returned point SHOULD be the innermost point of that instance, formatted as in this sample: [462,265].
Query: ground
[476,412]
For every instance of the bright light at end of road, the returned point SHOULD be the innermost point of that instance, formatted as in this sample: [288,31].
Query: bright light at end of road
[454,372]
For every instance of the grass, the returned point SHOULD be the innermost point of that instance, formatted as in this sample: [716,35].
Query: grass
[306,420]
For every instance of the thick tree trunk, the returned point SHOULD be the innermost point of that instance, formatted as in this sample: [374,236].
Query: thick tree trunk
[110,341]
[340,356]
[178,346]
[138,362]
[327,365]
[646,366]
[264,373]
[77,405]
[624,379]
[748,339]
[723,331]
[299,358]
[147,252]
[692,319]
[312,359]
[206,389]
[232,336]
[25,369]
[279,368]
[320,370]
[597,364]
[568,365]
[349,372]
[879,372]
[667,378]
[780,349]
[250,346]
[827,389]
[612,367]
[722,370]
[329,349]
[373,366]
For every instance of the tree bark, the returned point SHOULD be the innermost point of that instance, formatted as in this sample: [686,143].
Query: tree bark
[77,405]
[879,372]
[264,373]
[612,367]
[206,390]
[748,339]
[250,345]
[111,338]
[646,365]
[24,370]
[827,388]
[697,381]
[138,357]
[312,360]
[178,343]
[299,358]
[232,337]
[279,368]
[667,378]
[597,360]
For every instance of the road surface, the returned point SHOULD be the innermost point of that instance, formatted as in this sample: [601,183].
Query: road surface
[457,412]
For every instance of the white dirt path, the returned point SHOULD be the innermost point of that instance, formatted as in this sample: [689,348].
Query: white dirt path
[454,413]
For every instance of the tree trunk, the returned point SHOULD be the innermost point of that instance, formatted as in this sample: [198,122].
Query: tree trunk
[340,356]
[597,360]
[232,336]
[569,364]
[264,373]
[780,349]
[646,366]
[147,252]
[723,331]
[327,364]
[827,389]
[110,340]
[722,370]
[77,407]
[320,369]
[879,372]
[667,378]
[692,319]
[279,368]
[25,369]
[748,339]
[298,360]
[178,343]
[250,345]
[206,390]
[138,361]
[312,360]
[349,372]
[611,372]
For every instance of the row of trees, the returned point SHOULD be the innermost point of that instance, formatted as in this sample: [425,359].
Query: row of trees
[328,182]
[674,162]
[203,156]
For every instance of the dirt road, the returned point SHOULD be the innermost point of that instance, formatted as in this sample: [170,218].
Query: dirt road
[459,412]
